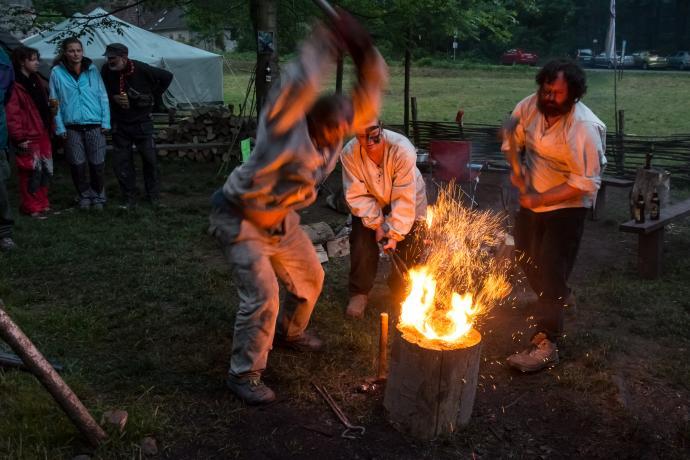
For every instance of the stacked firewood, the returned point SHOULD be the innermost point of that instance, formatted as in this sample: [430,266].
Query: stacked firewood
[206,134]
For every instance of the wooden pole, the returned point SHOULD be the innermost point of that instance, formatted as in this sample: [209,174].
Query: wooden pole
[383,348]
[415,127]
[339,75]
[49,378]
[620,154]
[431,388]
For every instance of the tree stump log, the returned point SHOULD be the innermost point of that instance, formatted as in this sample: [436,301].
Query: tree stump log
[431,388]
[647,181]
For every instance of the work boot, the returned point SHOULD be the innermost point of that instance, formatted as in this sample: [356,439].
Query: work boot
[355,308]
[542,354]
[306,341]
[250,389]
[7,244]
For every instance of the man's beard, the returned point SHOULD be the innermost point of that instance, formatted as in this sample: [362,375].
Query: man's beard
[553,109]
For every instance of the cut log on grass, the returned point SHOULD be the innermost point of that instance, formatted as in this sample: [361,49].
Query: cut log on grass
[431,389]
[12,360]
[44,372]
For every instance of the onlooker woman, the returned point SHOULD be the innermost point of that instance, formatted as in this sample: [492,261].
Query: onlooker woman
[83,115]
[29,125]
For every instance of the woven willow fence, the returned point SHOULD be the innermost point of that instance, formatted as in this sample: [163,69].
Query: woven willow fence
[625,154]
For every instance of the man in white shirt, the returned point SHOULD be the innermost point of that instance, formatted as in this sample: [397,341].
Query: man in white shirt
[386,195]
[558,177]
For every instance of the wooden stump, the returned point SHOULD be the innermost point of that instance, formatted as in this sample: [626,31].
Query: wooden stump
[646,182]
[431,388]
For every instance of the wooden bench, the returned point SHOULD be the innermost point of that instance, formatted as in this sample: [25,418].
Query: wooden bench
[600,204]
[651,238]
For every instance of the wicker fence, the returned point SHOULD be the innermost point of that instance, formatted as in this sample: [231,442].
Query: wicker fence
[625,154]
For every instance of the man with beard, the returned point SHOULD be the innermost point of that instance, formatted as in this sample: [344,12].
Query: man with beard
[558,177]
[133,88]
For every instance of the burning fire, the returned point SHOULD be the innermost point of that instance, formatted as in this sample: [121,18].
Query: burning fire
[460,279]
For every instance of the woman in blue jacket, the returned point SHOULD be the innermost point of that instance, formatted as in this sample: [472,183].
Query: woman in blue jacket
[83,115]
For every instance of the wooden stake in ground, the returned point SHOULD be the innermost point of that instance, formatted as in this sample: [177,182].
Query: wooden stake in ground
[44,372]
[431,388]
[383,348]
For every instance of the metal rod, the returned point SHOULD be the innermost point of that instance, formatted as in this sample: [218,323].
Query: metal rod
[44,372]
[383,348]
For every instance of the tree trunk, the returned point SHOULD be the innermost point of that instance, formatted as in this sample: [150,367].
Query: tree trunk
[265,20]
[430,391]
[406,96]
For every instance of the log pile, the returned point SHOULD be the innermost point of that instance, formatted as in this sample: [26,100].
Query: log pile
[207,134]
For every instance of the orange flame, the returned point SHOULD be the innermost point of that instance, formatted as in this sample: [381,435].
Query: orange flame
[460,280]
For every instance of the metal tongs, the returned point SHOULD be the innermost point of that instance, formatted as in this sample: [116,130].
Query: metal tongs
[351,431]
[398,264]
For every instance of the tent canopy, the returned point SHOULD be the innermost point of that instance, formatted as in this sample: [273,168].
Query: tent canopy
[198,74]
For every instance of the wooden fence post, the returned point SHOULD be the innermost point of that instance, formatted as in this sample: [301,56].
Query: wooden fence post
[415,127]
[620,149]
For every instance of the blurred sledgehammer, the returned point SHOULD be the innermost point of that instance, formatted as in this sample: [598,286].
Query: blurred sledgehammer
[326,8]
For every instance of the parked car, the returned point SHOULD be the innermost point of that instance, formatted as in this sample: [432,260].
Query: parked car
[649,60]
[518,56]
[680,60]
[585,57]
[600,60]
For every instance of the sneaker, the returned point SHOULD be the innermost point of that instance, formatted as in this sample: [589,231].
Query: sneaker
[7,244]
[542,354]
[250,389]
[38,216]
[85,204]
[306,341]
[97,206]
[356,305]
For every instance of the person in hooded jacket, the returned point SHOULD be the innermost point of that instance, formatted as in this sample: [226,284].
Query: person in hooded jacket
[83,115]
[29,125]
[6,220]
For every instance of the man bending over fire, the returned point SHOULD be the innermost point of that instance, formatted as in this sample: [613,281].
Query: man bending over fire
[558,178]
[254,215]
[386,195]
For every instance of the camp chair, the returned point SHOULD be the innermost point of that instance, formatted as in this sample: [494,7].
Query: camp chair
[452,162]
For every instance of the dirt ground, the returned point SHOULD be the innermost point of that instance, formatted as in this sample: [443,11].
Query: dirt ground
[565,412]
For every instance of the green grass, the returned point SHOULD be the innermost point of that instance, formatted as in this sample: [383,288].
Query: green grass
[139,308]
[653,101]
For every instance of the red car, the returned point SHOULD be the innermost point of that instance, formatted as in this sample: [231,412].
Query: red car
[518,56]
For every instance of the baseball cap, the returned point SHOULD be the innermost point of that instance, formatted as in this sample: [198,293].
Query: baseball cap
[116,49]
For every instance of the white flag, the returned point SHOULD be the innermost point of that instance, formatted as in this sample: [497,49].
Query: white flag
[611,35]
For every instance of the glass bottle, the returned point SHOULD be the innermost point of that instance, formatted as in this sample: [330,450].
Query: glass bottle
[639,209]
[654,207]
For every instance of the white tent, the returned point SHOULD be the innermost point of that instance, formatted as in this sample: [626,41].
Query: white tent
[198,73]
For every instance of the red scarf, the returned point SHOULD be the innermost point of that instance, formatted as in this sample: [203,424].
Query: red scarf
[126,72]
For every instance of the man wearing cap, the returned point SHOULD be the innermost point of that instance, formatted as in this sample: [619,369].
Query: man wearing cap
[387,197]
[133,88]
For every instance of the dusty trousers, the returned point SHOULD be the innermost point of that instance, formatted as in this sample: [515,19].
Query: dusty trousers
[258,259]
